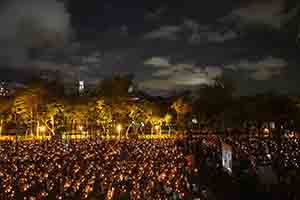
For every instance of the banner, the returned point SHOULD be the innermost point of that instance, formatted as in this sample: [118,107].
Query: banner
[227,157]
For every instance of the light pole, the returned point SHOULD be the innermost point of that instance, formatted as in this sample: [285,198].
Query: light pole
[119,128]
[80,127]
[157,129]
[42,130]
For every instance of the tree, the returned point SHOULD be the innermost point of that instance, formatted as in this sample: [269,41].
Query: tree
[76,114]
[54,84]
[115,88]
[88,113]
[181,108]
[53,110]
[168,120]
[5,112]
[115,92]
[155,121]
[152,113]
[213,100]
[101,112]
[28,105]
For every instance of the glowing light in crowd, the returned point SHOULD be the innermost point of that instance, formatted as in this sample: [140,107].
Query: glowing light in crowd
[119,129]
[266,131]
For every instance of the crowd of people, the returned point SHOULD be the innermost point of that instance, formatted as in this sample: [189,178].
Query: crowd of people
[274,162]
[189,168]
[267,168]
[86,169]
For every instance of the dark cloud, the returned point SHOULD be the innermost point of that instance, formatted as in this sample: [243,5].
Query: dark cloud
[174,76]
[163,52]
[271,13]
[167,32]
[192,32]
[264,69]
[156,14]
[32,24]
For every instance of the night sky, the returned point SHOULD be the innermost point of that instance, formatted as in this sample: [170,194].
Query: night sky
[167,45]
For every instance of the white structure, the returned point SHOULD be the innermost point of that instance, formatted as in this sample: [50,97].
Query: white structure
[81,86]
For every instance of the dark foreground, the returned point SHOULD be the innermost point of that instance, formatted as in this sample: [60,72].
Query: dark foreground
[149,169]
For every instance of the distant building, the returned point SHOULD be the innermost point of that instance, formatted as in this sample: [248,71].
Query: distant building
[75,88]
[81,87]
[4,91]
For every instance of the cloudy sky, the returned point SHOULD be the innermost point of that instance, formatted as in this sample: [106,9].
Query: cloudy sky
[168,45]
